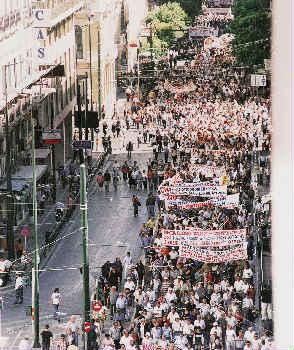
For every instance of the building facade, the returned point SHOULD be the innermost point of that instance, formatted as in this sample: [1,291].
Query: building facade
[29,52]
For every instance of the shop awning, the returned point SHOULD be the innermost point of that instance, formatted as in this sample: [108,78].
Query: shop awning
[42,153]
[17,185]
[25,172]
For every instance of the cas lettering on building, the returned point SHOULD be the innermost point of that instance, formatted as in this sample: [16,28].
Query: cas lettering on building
[40,25]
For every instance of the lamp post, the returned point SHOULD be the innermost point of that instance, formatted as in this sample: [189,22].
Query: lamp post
[84,228]
[36,258]
[9,198]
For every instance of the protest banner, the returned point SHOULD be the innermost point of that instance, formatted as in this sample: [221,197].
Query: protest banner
[206,238]
[195,189]
[238,252]
[224,3]
[220,11]
[202,32]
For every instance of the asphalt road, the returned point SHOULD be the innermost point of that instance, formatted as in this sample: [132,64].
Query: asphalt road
[111,222]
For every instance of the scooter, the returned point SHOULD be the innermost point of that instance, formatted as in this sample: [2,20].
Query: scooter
[58,214]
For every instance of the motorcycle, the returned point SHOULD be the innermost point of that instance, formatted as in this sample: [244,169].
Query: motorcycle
[59,214]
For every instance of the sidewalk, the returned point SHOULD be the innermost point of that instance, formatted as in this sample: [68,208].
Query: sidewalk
[47,222]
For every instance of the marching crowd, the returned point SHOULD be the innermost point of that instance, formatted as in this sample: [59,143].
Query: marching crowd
[168,301]
[205,129]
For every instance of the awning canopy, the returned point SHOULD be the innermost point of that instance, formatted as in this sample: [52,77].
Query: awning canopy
[17,185]
[25,172]
[41,153]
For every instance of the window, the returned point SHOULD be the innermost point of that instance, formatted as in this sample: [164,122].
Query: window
[79,42]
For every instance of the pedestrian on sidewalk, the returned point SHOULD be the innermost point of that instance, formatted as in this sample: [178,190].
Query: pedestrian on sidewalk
[19,248]
[113,295]
[100,181]
[136,204]
[125,170]
[18,288]
[46,336]
[127,263]
[62,343]
[55,300]
[73,329]
[150,205]
[129,148]
[107,179]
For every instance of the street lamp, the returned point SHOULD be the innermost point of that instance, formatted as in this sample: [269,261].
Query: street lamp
[9,200]
[138,65]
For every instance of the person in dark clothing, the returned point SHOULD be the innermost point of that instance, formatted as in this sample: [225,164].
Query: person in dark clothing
[129,148]
[92,336]
[113,277]
[105,269]
[150,204]
[46,336]
[136,205]
[140,270]
[118,267]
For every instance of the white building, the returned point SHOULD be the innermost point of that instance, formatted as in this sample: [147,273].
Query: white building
[27,55]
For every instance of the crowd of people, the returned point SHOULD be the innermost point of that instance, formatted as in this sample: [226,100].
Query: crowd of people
[206,130]
[212,135]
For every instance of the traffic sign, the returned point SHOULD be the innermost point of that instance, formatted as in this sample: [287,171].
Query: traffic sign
[25,232]
[51,136]
[82,144]
[97,306]
[258,80]
[87,327]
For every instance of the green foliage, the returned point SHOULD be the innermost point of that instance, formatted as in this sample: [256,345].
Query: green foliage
[166,22]
[191,7]
[252,23]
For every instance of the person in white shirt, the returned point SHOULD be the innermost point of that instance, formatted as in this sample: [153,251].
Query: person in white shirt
[125,339]
[248,335]
[256,342]
[181,341]
[247,273]
[129,284]
[230,338]
[248,345]
[199,323]
[170,296]
[247,305]
[147,340]
[188,329]
[216,329]
[18,289]
[239,285]
[177,326]
[127,263]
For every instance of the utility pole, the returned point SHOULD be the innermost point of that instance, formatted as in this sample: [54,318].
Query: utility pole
[9,196]
[36,259]
[53,152]
[80,119]
[84,228]
[91,78]
[86,105]
[138,83]
[99,74]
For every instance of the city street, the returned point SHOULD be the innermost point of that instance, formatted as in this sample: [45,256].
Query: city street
[111,222]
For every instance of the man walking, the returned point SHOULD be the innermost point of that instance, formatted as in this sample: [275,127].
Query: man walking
[46,336]
[150,205]
[18,289]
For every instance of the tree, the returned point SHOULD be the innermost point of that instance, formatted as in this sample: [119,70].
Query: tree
[191,7]
[252,30]
[167,22]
